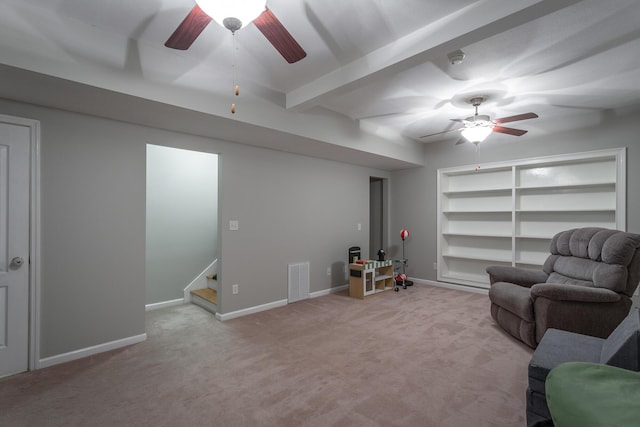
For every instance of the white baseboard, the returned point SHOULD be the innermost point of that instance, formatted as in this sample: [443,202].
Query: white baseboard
[450,286]
[89,351]
[251,310]
[328,291]
[164,304]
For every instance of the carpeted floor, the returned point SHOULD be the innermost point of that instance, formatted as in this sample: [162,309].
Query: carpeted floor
[424,356]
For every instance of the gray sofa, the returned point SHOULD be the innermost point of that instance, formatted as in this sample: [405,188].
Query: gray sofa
[585,286]
[620,349]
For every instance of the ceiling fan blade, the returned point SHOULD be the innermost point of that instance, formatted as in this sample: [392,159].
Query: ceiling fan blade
[509,131]
[524,116]
[440,133]
[189,29]
[279,37]
[461,141]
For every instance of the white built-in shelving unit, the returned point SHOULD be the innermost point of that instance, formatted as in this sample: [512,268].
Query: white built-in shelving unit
[506,213]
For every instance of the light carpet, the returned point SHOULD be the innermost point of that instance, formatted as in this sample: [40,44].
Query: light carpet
[425,356]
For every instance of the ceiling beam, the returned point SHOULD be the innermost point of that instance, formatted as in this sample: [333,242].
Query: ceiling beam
[468,25]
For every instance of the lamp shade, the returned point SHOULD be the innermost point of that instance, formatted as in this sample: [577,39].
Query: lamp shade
[476,134]
[243,10]
[404,233]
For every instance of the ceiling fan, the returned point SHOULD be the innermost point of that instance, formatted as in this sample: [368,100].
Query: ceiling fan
[234,15]
[478,127]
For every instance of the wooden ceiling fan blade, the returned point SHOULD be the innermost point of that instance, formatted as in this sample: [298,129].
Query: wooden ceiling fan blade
[440,133]
[189,29]
[515,118]
[509,131]
[279,37]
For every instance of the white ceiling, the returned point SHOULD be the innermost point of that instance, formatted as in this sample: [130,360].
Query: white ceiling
[376,77]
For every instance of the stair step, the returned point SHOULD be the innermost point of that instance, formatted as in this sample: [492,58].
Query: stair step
[207,294]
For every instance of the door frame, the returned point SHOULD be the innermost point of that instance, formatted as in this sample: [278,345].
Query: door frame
[34,235]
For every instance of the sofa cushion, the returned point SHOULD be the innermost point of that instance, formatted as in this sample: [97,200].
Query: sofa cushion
[516,299]
[619,248]
[622,347]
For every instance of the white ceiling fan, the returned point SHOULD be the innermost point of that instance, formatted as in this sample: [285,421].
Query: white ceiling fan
[479,126]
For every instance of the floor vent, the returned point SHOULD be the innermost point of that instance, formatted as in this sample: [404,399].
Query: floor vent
[298,281]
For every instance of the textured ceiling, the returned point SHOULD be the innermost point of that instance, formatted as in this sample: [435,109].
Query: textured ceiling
[380,65]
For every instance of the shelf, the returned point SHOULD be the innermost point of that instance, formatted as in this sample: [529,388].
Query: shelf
[477,258]
[585,185]
[477,212]
[526,236]
[478,193]
[530,262]
[562,211]
[382,277]
[499,236]
[508,213]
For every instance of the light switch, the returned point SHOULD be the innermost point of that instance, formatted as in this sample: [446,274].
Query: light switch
[359,227]
[233,224]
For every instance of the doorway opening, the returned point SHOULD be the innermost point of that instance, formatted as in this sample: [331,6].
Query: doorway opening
[378,208]
[182,224]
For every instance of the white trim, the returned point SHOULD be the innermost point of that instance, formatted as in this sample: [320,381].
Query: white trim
[157,305]
[251,310]
[207,305]
[200,282]
[34,233]
[90,351]
[328,291]
[454,286]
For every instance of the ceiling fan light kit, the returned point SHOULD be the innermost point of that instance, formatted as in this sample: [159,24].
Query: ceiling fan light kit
[232,14]
[476,134]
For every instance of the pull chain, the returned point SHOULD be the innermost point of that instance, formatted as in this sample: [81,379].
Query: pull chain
[477,144]
[234,66]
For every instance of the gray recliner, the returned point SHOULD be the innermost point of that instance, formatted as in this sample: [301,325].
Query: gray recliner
[585,286]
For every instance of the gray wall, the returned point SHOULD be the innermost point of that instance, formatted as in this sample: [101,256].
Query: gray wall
[416,189]
[182,219]
[290,208]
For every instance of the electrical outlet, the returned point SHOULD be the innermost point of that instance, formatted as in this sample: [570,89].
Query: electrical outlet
[435,265]
[234,225]
[359,227]
[328,271]
[234,289]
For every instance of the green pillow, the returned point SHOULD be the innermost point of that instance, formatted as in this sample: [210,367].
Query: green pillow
[581,394]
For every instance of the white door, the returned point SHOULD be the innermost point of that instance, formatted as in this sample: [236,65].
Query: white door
[15,143]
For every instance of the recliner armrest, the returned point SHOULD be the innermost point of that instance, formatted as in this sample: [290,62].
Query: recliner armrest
[518,276]
[564,292]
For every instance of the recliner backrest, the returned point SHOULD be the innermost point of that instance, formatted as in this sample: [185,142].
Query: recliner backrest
[595,257]
[622,347]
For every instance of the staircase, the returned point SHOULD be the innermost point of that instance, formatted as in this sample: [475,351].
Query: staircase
[207,298]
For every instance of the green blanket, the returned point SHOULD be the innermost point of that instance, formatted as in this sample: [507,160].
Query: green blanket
[588,395]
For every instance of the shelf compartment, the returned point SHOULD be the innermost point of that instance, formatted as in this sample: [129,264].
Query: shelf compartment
[477,202]
[488,180]
[467,271]
[567,173]
[531,222]
[580,199]
[470,222]
[485,248]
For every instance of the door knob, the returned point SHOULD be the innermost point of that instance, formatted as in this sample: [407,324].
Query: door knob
[17,261]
